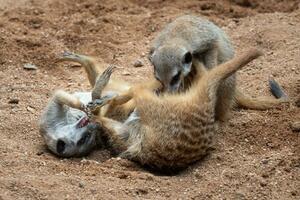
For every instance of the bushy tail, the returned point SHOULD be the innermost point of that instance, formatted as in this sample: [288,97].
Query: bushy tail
[262,103]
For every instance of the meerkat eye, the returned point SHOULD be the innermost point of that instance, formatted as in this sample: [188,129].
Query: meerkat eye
[187,58]
[175,78]
[84,139]
[60,146]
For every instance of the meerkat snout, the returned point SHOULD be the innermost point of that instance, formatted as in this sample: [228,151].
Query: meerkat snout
[171,66]
[78,142]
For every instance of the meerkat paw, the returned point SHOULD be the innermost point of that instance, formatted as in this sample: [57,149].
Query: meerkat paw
[95,105]
[101,81]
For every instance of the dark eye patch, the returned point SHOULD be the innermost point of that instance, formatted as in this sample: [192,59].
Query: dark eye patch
[175,78]
[60,146]
[84,139]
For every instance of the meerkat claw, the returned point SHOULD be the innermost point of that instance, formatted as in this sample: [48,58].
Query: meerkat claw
[95,105]
[107,73]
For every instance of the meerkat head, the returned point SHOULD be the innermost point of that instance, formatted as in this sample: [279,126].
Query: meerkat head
[67,139]
[171,65]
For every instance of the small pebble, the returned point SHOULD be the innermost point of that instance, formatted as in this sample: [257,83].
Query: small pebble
[295,126]
[240,195]
[39,153]
[264,161]
[125,73]
[263,183]
[138,63]
[81,185]
[30,109]
[30,66]
[122,176]
[298,103]
[294,193]
[14,101]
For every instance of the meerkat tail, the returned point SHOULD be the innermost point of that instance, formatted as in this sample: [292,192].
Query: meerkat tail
[258,103]
[262,103]
[226,69]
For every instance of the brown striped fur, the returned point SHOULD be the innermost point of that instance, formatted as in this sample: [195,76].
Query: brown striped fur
[171,130]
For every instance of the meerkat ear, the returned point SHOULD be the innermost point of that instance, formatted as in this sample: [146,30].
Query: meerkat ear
[187,62]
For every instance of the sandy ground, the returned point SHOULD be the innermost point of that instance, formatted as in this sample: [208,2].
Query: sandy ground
[256,155]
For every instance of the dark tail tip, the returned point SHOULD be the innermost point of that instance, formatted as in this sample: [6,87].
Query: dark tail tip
[276,90]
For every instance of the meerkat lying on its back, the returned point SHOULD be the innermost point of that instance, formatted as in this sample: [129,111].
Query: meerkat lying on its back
[170,130]
[65,124]
[189,38]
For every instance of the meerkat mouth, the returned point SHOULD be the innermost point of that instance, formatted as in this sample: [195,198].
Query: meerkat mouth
[84,121]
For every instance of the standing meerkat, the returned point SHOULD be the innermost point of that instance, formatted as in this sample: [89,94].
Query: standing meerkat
[190,38]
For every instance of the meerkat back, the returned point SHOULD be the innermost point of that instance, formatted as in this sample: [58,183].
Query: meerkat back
[196,34]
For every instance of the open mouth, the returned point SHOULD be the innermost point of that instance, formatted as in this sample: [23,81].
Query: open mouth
[84,121]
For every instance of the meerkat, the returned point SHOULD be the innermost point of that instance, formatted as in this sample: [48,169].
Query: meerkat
[65,123]
[190,38]
[170,130]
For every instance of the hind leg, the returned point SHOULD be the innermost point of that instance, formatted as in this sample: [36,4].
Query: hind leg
[93,71]
[225,99]
[64,98]
[101,82]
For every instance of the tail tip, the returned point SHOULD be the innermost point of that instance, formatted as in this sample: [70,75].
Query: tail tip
[276,90]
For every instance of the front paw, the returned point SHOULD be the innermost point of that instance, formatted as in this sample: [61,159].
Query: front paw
[96,104]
